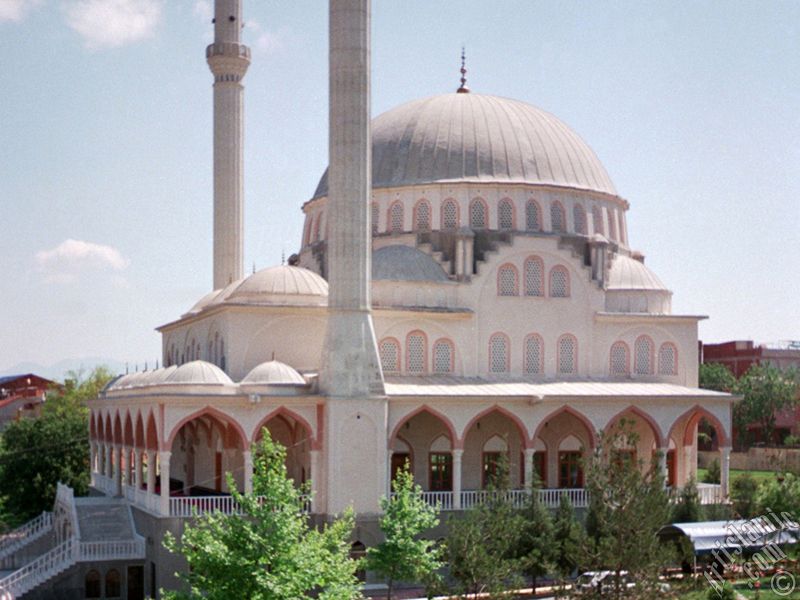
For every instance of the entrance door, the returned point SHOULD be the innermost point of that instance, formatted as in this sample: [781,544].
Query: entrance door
[570,470]
[136,583]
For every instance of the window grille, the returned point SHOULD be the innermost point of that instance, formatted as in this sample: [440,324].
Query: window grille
[559,283]
[612,224]
[567,347]
[396,218]
[666,359]
[556,217]
[374,215]
[442,357]
[532,216]
[416,353]
[507,281]
[449,215]
[533,355]
[579,216]
[597,217]
[423,217]
[477,215]
[533,277]
[644,354]
[505,215]
[498,354]
[619,359]
[390,356]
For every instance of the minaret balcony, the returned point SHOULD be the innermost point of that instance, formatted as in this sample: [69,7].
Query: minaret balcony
[228,50]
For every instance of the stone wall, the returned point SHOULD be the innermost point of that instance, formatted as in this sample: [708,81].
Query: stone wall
[757,459]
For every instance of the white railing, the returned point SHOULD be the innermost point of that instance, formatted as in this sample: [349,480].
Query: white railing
[710,493]
[470,498]
[25,534]
[40,570]
[118,550]
[551,497]
[104,484]
[187,506]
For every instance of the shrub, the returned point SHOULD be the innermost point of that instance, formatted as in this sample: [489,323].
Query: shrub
[743,494]
[713,473]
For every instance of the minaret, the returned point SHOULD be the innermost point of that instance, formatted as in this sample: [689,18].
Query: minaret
[228,60]
[351,378]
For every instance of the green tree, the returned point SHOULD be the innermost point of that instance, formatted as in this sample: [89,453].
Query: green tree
[37,453]
[766,390]
[482,542]
[779,495]
[743,493]
[404,555]
[713,473]
[536,544]
[629,506]
[270,551]
[687,507]
[715,376]
[568,538]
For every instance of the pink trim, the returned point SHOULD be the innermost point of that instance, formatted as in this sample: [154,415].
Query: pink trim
[695,414]
[424,351]
[571,411]
[128,432]
[118,429]
[389,227]
[627,358]
[455,442]
[521,429]
[560,268]
[651,370]
[645,417]
[516,278]
[284,413]
[574,357]
[508,350]
[674,358]
[540,369]
[450,343]
[396,342]
[538,208]
[415,217]
[509,202]
[441,213]
[224,420]
[485,212]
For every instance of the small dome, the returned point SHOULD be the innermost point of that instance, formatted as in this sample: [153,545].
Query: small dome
[404,263]
[274,372]
[282,285]
[158,376]
[630,274]
[214,297]
[478,138]
[120,381]
[198,372]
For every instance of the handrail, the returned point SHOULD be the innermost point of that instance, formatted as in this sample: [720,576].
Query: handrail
[40,569]
[25,534]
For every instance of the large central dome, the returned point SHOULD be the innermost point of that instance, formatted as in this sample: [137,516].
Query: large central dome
[472,137]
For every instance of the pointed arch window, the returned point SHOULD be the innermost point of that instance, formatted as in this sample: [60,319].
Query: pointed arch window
[449,214]
[374,216]
[643,355]
[478,214]
[557,218]
[619,360]
[422,216]
[597,220]
[612,224]
[396,215]
[92,585]
[113,584]
[389,350]
[507,280]
[443,356]
[416,350]
[567,355]
[667,359]
[505,215]
[534,354]
[533,218]
[579,216]
[559,282]
[498,353]
[318,227]
[534,278]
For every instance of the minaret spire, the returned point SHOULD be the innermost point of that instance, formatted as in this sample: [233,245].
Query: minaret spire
[463,89]
[228,60]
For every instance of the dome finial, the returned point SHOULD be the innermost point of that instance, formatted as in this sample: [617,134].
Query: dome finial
[463,89]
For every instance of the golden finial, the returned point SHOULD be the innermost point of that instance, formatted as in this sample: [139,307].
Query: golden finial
[463,89]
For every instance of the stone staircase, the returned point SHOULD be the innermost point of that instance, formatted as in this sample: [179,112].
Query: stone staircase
[22,537]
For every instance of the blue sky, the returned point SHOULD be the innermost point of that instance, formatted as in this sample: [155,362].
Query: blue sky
[105,164]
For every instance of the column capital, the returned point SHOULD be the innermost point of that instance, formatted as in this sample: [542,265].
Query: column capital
[457,452]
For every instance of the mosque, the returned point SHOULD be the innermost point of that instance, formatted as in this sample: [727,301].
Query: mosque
[464,289]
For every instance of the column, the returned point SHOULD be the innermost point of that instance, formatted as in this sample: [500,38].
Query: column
[151,471]
[118,454]
[662,464]
[529,468]
[389,454]
[724,469]
[315,483]
[109,462]
[247,455]
[689,470]
[139,469]
[164,458]
[457,454]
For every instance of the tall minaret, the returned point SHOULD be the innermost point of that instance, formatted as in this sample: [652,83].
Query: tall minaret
[228,60]
[351,377]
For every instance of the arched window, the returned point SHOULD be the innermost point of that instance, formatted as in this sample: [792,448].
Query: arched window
[210,351]
[579,216]
[643,355]
[559,282]
[507,280]
[667,359]
[505,215]
[534,355]
[422,216]
[597,218]
[443,356]
[396,217]
[557,217]
[618,360]
[416,352]
[477,214]
[622,235]
[318,227]
[375,216]
[498,353]
[92,585]
[533,218]
[612,224]
[113,584]
[389,349]
[567,355]
[222,354]
[534,276]
[449,214]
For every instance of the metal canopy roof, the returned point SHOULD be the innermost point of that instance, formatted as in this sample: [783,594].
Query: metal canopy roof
[733,535]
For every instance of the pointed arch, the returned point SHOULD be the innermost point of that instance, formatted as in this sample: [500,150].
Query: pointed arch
[693,416]
[638,412]
[118,433]
[284,413]
[422,215]
[524,438]
[109,437]
[225,420]
[138,435]
[152,441]
[127,438]
[450,217]
[454,439]
[590,430]
[92,426]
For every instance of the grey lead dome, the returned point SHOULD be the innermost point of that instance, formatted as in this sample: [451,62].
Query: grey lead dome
[473,137]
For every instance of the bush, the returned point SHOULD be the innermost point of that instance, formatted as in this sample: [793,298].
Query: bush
[721,593]
[713,473]
[687,508]
[791,440]
[743,494]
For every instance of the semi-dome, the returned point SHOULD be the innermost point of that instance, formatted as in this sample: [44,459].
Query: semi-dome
[283,284]
[274,372]
[404,263]
[478,138]
[198,372]
[627,273]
